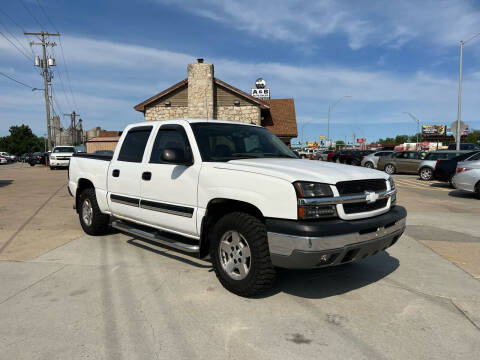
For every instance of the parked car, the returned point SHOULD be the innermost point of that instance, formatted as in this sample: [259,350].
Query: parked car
[371,160]
[322,155]
[38,158]
[356,157]
[3,160]
[427,165]
[60,156]
[445,169]
[235,192]
[345,156]
[333,156]
[464,146]
[400,162]
[8,157]
[467,176]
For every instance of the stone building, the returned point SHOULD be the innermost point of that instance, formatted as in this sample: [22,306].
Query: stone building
[202,96]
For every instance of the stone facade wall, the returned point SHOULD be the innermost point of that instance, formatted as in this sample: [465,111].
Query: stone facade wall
[200,91]
[162,112]
[245,114]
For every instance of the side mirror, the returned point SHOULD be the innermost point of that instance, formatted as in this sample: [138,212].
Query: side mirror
[176,156]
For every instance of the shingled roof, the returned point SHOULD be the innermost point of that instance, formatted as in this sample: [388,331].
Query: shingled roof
[141,107]
[280,119]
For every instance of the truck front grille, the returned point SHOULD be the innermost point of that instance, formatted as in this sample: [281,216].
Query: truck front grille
[354,208]
[360,186]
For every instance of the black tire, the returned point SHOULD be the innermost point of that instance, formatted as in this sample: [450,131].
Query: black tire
[477,190]
[426,173]
[261,273]
[32,164]
[390,169]
[100,223]
[369,165]
[53,168]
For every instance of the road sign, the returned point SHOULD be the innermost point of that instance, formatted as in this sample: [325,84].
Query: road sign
[453,128]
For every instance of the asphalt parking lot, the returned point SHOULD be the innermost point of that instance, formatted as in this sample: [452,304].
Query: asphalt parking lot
[68,295]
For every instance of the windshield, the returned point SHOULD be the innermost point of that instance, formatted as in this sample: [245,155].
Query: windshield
[224,142]
[64,150]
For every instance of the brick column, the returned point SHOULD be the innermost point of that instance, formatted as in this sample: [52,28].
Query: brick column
[200,90]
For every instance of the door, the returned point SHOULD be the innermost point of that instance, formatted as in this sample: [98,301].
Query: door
[401,161]
[169,191]
[124,174]
[413,161]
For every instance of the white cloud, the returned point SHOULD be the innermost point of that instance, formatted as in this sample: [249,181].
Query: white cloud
[363,23]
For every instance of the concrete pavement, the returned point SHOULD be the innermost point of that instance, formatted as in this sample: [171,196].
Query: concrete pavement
[114,297]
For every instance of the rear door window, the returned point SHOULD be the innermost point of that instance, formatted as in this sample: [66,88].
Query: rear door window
[133,145]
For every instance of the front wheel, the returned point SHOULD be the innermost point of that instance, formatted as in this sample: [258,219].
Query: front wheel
[240,254]
[390,169]
[93,221]
[426,174]
[32,164]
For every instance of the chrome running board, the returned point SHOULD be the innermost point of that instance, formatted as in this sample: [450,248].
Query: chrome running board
[162,239]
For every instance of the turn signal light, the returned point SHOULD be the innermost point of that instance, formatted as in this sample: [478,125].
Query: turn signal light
[316,211]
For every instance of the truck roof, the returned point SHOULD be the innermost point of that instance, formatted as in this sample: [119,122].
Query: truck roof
[194,121]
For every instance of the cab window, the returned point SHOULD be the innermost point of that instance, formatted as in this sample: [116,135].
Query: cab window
[134,144]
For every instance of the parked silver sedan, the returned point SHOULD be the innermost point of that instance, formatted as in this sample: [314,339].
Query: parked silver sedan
[427,166]
[371,161]
[468,175]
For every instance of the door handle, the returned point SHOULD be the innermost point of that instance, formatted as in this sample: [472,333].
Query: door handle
[147,175]
[116,173]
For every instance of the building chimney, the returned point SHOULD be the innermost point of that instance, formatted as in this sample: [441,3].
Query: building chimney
[200,90]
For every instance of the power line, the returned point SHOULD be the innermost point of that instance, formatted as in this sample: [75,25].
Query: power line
[14,37]
[19,82]
[16,47]
[31,14]
[61,83]
[22,29]
[67,72]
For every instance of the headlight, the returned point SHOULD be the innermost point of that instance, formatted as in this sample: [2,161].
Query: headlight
[307,190]
[391,182]
[312,190]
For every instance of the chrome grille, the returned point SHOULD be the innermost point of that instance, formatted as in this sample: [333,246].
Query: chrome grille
[360,186]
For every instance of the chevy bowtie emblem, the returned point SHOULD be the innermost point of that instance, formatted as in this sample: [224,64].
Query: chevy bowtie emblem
[371,197]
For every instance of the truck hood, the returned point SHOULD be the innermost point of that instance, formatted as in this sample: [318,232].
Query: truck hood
[302,170]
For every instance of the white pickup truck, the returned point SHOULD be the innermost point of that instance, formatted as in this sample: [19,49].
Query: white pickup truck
[236,193]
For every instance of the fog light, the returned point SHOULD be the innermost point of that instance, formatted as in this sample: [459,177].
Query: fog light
[393,199]
[315,211]
[324,258]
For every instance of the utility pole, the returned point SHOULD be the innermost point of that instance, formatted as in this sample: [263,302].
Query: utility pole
[459,109]
[47,77]
[73,125]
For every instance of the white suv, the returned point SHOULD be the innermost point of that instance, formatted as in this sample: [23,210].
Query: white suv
[60,156]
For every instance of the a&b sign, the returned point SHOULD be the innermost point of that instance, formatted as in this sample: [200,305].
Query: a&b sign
[260,91]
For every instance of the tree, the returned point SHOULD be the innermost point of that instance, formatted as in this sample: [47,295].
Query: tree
[339,143]
[21,140]
[473,137]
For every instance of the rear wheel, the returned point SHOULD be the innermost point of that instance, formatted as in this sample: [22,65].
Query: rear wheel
[477,190]
[390,169]
[93,221]
[240,254]
[53,168]
[369,165]
[426,174]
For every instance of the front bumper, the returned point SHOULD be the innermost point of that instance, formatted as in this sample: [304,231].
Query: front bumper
[55,162]
[305,244]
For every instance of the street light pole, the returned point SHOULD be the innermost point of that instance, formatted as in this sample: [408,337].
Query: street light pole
[417,121]
[330,109]
[459,110]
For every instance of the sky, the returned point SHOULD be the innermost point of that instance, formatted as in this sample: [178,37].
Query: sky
[391,57]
